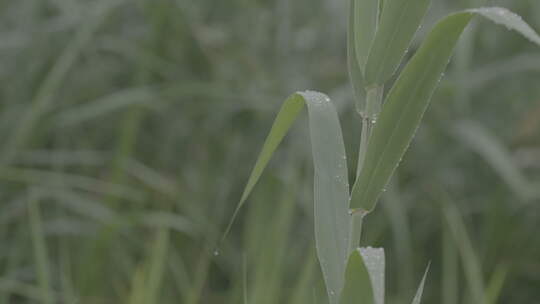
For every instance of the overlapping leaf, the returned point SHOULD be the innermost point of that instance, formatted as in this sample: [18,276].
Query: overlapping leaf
[358,288]
[400,19]
[331,184]
[364,26]
[355,73]
[410,96]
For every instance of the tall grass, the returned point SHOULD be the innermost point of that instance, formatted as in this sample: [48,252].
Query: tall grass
[160,113]
[377,42]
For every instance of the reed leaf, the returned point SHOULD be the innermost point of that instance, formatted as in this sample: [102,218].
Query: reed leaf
[410,96]
[331,186]
[358,287]
[400,19]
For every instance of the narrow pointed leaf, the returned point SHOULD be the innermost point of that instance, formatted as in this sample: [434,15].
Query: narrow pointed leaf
[400,19]
[366,18]
[509,19]
[479,139]
[409,98]
[331,187]
[358,288]
[355,73]
[420,291]
[374,260]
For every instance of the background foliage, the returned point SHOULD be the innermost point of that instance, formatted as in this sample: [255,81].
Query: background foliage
[129,127]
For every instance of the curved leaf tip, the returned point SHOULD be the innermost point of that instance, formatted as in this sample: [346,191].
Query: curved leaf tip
[409,97]
[331,186]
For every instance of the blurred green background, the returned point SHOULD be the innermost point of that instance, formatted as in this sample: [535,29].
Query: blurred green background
[128,129]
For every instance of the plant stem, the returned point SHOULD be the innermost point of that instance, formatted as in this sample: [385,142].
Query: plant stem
[369,118]
[355,233]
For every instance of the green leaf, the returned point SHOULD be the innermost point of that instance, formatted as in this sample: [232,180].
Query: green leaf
[509,19]
[374,260]
[358,288]
[355,73]
[400,19]
[496,283]
[420,291]
[480,140]
[365,21]
[472,266]
[331,186]
[409,98]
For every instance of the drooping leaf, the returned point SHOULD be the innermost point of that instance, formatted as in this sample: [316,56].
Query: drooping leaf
[420,291]
[331,186]
[358,288]
[508,19]
[480,140]
[400,19]
[410,96]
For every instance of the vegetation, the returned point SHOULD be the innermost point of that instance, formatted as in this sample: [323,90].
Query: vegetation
[350,274]
[128,125]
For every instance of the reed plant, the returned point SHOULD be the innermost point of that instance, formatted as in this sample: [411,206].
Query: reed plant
[379,35]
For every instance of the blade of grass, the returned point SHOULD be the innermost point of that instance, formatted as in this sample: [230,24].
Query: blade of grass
[396,212]
[495,285]
[496,155]
[268,229]
[420,291]
[358,286]
[331,187]
[374,259]
[137,295]
[95,109]
[40,250]
[158,259]
[302,289]
[365,21]
[400,19]
[244,279]
[44,96]
[450,270]
[355,73]
[409,98]
[21,289]
[471,264]
[49,179]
